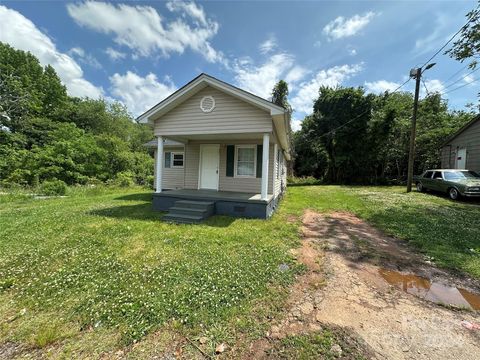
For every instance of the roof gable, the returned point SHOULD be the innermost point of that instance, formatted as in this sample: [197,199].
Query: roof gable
[199,83]
[461,130]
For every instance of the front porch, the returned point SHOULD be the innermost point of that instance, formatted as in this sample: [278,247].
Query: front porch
[230,203]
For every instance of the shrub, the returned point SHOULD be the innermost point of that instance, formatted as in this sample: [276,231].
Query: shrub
[298,181]
[124,179]
[53,188]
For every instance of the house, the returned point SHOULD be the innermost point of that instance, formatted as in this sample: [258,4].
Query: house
[218,150]
[462,149]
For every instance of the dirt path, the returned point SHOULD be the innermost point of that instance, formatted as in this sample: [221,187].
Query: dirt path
[343,288]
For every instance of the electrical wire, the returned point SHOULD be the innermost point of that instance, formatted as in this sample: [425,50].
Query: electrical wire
[363,113]
[449,40]
[459,87]
[425,85]
[462,78]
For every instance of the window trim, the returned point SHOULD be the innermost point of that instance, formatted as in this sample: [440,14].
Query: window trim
[235,168]
[172,155]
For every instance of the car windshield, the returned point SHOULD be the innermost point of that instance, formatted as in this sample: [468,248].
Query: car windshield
[461,175]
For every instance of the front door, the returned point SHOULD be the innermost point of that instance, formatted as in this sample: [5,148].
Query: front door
[209,162]
[461,160]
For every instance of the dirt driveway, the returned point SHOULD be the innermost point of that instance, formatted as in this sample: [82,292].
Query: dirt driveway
[344,287]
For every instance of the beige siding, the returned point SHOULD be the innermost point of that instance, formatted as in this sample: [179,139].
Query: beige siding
[469,139]
[172,178]
[192,158]
[230,115]
[252,185]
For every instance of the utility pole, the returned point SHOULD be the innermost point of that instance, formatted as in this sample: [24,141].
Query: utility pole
[417,75]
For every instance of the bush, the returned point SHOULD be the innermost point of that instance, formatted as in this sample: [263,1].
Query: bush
[124,179]
[53,188]
[300,181]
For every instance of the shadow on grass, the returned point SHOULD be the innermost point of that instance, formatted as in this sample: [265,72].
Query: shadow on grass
[132,212]
[136,197]
[145,212]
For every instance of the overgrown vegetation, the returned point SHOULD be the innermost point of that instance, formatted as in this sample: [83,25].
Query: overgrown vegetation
[354,137]
[46,135]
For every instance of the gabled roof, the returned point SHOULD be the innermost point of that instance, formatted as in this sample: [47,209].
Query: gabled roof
[461,130]
[199,83]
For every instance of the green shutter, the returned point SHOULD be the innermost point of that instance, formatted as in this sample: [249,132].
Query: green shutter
[259,160]
[230,160]
[168,156]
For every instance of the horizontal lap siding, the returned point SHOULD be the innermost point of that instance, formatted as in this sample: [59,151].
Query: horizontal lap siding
[250,185]
[192,158]
[469,139]
[172,178]
[230,115]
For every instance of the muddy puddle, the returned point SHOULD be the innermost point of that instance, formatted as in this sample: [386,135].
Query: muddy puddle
[432,291]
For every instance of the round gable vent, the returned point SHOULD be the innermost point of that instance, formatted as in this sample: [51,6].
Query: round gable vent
[207,104]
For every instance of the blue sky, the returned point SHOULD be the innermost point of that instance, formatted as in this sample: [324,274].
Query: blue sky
[140,52]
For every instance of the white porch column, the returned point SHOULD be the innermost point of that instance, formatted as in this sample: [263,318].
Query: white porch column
[266,148]
[159,164]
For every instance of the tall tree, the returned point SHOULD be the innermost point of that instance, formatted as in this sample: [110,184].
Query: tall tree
[280,95]
[467,47]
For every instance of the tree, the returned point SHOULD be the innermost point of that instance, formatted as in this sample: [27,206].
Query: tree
[280,95]
[467,47]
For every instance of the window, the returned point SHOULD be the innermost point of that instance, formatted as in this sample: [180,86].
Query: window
[177,160]
[460,175]
[437,175]
[174,159]
[246,161]
[277,165]
[428,175]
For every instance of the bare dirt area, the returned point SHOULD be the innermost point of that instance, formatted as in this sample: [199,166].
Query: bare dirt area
[344,288]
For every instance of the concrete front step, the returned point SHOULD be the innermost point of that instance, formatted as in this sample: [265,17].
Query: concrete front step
[188,212]
[182,218]
[195,204]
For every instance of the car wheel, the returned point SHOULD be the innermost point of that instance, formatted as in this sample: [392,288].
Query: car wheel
[420,187]
[453,193]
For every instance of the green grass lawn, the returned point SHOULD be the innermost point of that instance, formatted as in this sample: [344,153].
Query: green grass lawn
[97,270]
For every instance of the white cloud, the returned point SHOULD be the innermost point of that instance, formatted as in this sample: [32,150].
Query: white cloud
[434,86]
[268,45]
[295,74]
[260,80]
[144,30]
[308,91]
[352,52]
[190,8]
[84,57]
[433,40]
[380,86]
[296,124]
[115,54]
[342,27]
[21,33]
[140,93]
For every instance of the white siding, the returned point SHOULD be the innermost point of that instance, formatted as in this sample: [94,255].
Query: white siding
[230,115]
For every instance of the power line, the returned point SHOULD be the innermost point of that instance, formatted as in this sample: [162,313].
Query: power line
[457,72]
[448,41]
[459,87]
[462,78]
[363,113]
[425,85]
